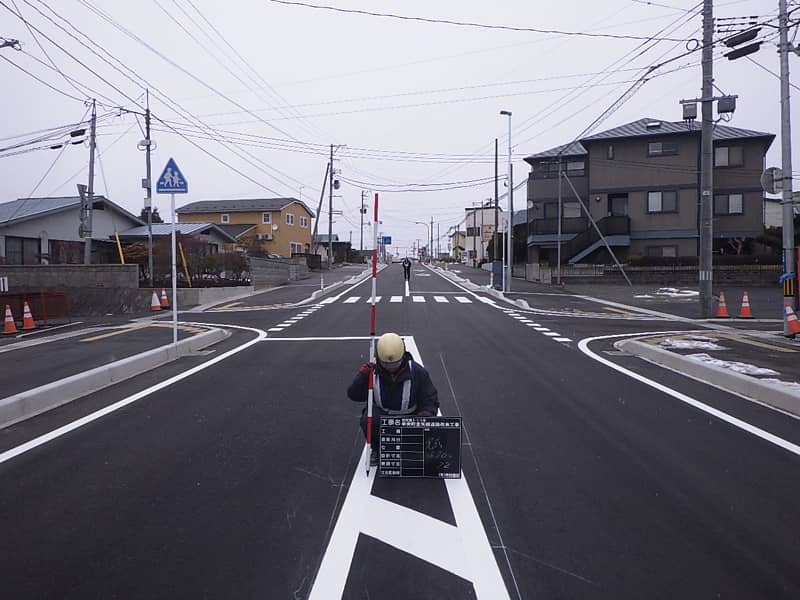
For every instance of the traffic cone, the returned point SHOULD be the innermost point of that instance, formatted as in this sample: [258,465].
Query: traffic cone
[722,308]
[744,312]
[27,317]
[154,303]
[792,324]
[9,326]
[164,299]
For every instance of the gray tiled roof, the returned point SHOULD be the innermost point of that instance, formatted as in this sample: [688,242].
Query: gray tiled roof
[23,209]
[237,229]
[162,229]
[572,149]
[659,127]
[240,205]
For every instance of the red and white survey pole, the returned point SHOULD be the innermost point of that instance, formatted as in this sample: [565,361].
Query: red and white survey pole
[370,387]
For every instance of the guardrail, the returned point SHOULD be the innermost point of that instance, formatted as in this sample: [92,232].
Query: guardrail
[45,305]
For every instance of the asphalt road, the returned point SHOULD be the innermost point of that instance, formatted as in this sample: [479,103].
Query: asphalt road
[238,474]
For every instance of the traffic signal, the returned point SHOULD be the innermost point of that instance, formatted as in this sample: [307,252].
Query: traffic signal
[741,38]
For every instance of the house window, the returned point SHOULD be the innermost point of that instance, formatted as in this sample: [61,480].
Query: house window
[296,248]
[289,219]
[574,169]
[728,156]
[266,218]
[669,251]
[610,152]
[22,251]
[571,210]
[225,219]
[662,148]
[473,231]
[304,222]
[661,202]
[728,204]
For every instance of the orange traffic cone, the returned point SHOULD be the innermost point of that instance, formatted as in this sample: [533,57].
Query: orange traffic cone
[744,312]
[9,326]
[154,303]
[27,317]
[792,324]
[164,299]
[722,308]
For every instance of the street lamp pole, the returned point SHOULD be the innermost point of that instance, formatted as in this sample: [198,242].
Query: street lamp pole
[510,251]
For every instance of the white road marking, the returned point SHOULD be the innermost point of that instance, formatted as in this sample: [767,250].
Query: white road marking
[541,329]
[276,328]
[463,300]
[463,550]
[418,298]
[56,433]
[562,339]
[723,416]
[329,300]
[551,333]
[352,299]
[377,299]
[396,299]
[440,299]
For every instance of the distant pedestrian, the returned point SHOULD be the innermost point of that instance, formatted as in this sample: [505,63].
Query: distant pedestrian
[406,269]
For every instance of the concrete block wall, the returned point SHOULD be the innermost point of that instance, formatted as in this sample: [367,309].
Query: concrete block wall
[265,272]
[23,278]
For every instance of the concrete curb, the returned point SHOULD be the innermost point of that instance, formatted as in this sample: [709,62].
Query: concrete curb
[30,403]
[756,389]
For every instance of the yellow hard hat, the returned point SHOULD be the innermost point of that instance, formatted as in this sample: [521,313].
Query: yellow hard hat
[391,348]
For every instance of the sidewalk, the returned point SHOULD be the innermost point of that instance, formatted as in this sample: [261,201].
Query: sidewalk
[747,357]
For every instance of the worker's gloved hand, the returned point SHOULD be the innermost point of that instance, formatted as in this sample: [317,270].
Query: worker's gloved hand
[364,368]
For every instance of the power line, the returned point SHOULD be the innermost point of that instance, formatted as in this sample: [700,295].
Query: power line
[471,24]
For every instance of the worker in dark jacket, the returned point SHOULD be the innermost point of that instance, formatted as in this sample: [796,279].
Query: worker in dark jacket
[401,387]
[406,268]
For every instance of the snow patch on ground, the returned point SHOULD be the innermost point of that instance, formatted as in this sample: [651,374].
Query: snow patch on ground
[738,367]
[691,342]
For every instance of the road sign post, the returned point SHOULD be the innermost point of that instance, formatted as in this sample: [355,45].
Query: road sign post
[171,181]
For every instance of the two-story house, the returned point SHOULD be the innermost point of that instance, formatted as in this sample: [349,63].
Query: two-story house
[640,184]
[273,225]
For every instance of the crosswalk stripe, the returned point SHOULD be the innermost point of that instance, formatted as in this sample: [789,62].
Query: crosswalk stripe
[562,339]
[377,299]
[463,300]
[418,298]
[396,299]
[352,300]
[440,299]
[329,300]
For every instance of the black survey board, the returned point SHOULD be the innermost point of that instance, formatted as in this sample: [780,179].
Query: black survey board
[412,446]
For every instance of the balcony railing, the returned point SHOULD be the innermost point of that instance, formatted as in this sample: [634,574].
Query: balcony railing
[550,226]
[613,225]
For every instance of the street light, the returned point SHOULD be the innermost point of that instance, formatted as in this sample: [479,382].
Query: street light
[427,229]
[510,254]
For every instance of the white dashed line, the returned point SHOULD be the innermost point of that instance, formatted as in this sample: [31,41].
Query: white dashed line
[562,339]
[352,299]
[396,299]
[463,300]
[440,299]
[418,298]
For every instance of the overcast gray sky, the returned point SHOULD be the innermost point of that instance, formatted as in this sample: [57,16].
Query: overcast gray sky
[248,95]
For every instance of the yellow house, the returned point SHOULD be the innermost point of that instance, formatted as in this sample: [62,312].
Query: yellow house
[273,225]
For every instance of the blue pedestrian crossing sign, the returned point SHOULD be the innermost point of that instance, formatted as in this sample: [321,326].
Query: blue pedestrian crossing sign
[172,180]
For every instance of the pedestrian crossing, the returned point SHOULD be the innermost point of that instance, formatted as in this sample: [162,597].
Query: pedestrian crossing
[414,298]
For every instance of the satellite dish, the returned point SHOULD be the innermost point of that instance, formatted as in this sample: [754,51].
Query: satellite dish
[274,227]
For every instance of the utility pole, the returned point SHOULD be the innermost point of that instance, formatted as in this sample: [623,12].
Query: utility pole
[438,242]
[148,203]
[510,252]
[558,259]
[496,224]
[430,259]
[87,245]
[330,214]
[789,263]
[706,274]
